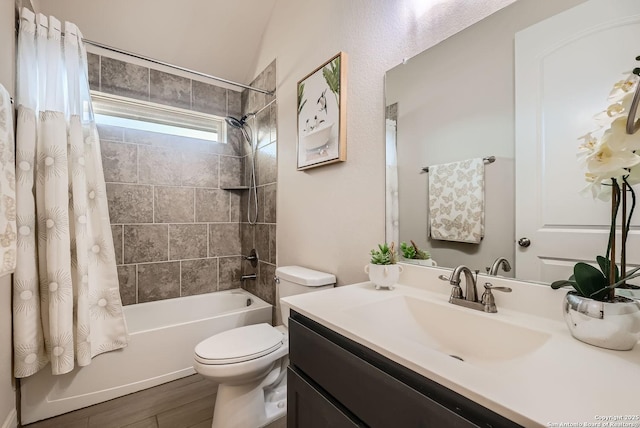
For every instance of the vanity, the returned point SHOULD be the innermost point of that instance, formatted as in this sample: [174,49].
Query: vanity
[407,357]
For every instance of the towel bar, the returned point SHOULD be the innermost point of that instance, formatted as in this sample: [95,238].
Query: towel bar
[487,160]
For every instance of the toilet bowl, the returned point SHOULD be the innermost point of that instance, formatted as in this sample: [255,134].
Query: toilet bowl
[249,363]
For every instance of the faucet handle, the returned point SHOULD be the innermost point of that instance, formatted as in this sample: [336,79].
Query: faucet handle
[488,286]
[487,297]
[456,291]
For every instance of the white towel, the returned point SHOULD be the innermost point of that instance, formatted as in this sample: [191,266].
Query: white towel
[456,201]
[8,235]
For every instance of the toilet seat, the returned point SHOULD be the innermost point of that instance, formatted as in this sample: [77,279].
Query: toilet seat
[239,344]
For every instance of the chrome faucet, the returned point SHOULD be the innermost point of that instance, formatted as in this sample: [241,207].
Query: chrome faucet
[469,280]
[500,262]
[470,300]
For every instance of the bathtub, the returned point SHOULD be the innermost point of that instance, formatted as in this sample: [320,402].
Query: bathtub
[163,335]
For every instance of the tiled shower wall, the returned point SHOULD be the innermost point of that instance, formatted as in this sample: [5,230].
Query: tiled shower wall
[176,231]
[262,235]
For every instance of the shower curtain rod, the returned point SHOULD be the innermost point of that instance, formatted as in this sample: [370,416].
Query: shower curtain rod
[488,159]
[177,67]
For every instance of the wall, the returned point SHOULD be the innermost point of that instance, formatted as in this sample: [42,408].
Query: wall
[330,217]
[7,72]
[176,230]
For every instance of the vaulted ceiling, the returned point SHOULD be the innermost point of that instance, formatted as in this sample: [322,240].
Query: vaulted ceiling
[218,37]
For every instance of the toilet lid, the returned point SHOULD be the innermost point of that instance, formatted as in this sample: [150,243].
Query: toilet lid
[239,344]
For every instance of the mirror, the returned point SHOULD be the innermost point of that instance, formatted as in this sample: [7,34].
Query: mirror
[452,102]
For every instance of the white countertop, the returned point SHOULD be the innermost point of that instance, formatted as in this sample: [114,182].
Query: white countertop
[564,381]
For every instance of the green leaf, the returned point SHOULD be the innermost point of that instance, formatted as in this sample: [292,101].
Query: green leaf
[562,283]
[589,281]
[604,266]
[301,102]
[332,77]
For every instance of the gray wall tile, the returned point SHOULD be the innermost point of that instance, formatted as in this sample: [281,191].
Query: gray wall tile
[158,166]
[273,122]
[236,198]
[260,193]
[170,89]
[272,244]
[129,203]
[270,199]
[116,232]
[235,103]
[187,241]
[200,170]
[146,243]
[213,205]
[267,164]
[110,133]
[270,80]
[210,99]
[247,238]
[194,165]
[120,162]
[262,240]
[128,281]
[173,205]
[263,127]
[230,273]
[124,79]
[224,239]
[157,281]
[199,276]
[231,171]
[266,287]
[93,65]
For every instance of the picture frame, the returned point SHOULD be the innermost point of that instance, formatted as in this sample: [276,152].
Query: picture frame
[322,114]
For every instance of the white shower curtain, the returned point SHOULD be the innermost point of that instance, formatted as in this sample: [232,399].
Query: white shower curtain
[66,303]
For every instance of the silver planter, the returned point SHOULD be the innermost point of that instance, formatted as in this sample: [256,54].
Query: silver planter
[610,325]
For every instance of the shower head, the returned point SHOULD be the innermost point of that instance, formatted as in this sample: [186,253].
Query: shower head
[238,123]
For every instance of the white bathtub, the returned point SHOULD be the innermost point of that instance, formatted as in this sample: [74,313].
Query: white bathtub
[163,335]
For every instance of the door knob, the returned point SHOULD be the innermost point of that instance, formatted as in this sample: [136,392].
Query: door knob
[524,242]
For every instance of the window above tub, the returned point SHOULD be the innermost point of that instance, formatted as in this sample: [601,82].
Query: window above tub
[130,113]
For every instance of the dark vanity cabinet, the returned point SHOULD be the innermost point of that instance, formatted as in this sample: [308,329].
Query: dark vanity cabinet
[336,382]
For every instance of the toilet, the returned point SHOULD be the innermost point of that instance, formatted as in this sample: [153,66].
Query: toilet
[249,363]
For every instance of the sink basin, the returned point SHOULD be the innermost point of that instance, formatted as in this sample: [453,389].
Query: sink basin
[459,332]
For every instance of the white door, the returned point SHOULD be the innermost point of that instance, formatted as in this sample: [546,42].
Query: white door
[565,69]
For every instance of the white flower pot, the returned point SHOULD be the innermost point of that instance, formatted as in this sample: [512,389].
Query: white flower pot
[383,276]
[610,325]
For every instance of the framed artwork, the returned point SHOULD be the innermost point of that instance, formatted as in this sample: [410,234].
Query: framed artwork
[322,114]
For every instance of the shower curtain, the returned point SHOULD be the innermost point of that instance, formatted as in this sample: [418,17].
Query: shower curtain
[66,304]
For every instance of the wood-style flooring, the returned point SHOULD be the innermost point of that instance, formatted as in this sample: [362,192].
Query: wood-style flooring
[183,403]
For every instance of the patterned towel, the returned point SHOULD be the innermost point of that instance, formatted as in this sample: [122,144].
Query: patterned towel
[456,201]
[7,186]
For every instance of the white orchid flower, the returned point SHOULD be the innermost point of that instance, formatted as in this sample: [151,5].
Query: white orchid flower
[617,138]
[606,161]
[623,87]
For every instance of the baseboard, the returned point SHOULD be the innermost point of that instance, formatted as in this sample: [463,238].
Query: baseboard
[11,421]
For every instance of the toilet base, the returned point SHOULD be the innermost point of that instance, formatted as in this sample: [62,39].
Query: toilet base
[252,404]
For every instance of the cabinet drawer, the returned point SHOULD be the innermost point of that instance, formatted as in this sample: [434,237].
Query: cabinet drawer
[307,408]
[368,384]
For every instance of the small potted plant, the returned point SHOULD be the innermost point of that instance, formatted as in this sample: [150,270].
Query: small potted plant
[383,270]
[414,254]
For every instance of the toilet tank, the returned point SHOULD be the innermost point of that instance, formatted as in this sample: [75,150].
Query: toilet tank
[292,280]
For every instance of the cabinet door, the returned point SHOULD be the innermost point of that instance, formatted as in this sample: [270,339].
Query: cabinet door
[307,408]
